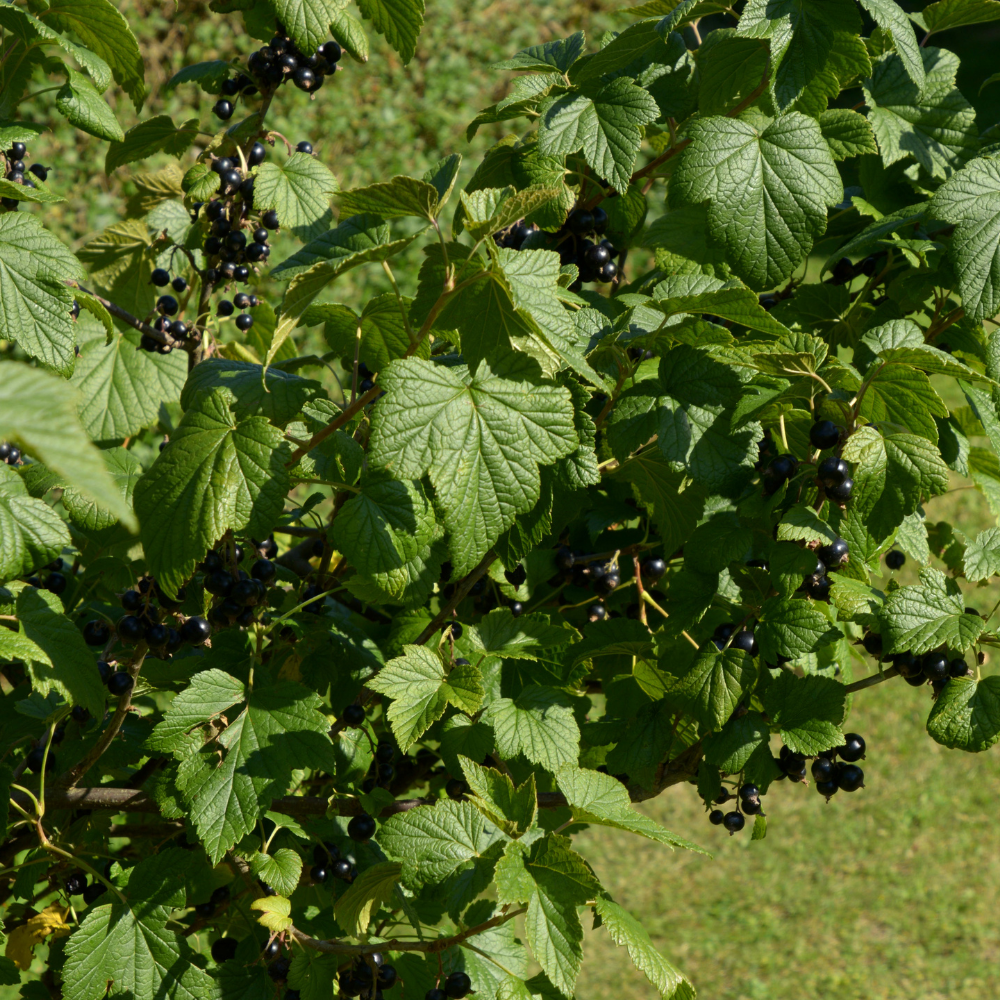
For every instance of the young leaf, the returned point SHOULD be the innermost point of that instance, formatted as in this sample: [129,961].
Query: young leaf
[512,809]
[83,106]
[371,890]
[280,870]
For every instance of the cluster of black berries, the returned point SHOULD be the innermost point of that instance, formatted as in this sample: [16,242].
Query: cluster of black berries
[175,331]
[513,237]
[238,595]
[831,775]
[381,771]
[281,60]
[727,635]
[833,473]
[55,580]
[76,885]
[9,454]
[828,558]
[327,863]
[579,245]
[844,271]
[936,667]
[361,981]
[14,171]
[456,986]
[747,804]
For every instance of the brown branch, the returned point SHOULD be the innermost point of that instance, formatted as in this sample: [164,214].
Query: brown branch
[321,435]
[461,592]
[127,317]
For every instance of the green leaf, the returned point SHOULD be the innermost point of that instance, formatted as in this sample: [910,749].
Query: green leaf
[433,841]
[81,103]
[125,471]
[801,524]
[926,615]
[934,123]
[38,412]
[614,637]
[847,133]
[538,723]
[479,438]
[559,55]
[384,336]
[230,782]
[767,190]
[104,30]
[982,556]
[220,473]
[714,685]
[300,189]
[307,21]
[40,194]
[626,930]
[208,75]
[274,913]
[635,42]
[156,135]
[421,690]
[641,749]
[892,19]
[277,395]
[399,21]
[730,67]
[388,532]
[947,14]
[347,30]
[970,199]
[966,714]
[604,800]
[489,210]
[393,199]
[60,660]
[525,638]
[605,121]
[32,534]
[735,743]
[121,261]
[34,300]
[280,870]
[808,711]
[208,695]
[313,974]
[512,809]
[122,387]
[371,890]
[730,300]
[792,628]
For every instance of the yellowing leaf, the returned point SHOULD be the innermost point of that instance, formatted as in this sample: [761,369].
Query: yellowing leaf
[21,943]
[370,890]
[274,913]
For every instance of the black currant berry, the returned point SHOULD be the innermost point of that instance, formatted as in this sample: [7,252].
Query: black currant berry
[223,109]
[241,274]
[853,748]
[331,52]
[827,788]
[841,493]
[160,277]
[744,640]
[225,308]
[18,150]
[832,471]
[129,630]
[895,559]
[270,220]
[778,470]
[715,817]
[580,222]
[195,631]
[120,683]
[167,305]
[179,285]
[873,643]
[959,668]
[608,272]
[850,777]
[244,321]
[936,666]
[224,949]
[361,828]
[256,154]
[733,822]
[824,434]
[823,769]
[354,716]
[455,788]
[279,968]
[156,636]
[305,147]
[457,985]
[654,568]
[834,554]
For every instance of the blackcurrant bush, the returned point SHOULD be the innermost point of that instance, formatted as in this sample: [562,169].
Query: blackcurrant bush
[853,748]
[895,559]
[733,822]
[361,828]
[160,277]
[824,434]
[120,683]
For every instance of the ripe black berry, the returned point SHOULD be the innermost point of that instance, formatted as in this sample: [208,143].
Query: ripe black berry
[818,587]
[18,150]
[596,256]
[580,222]
[120,683]
[256,154]
[455,788]
[93,892]
[654,568]
[853,748]
[457,985]
[850,777]
[715,817]
[361,828]
[834,554]
[167,305]
[387,976]
[236,240]
[230,88]
[597,612]
[273,949]
[244,321]
[778,470]
[55,583]
[733,822]
[895,559]
[341,868]
[105,670]
[823,769]
[157,636]
[746,641]
[225,308]
[331,52]
[224,949]
[241,274]
[232,179]
[354,716]
[270,220]
[959,668]
[318,873]
[600,219]
[179,285]
[160,277]
[75,884]
[827,788]
[228,270]
[936,666]
[824,434]
[748,792]
[241,300]
[263,570]
[223,109]
[873,643]
[607,272]
[841,493]
[278,969]
[129,629]
[832,471]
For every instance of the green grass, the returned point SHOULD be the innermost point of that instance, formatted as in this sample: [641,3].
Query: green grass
[885,894]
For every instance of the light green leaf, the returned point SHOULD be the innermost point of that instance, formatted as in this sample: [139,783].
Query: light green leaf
[966,714]
[792,628]
[219,473]
[489,210]
[714,685]
[926,615]
[767,190]
[539,723]
[626,930]
[501,634]
[208,75]
[280,870]
[80,102]
[399,21]
[34,300]
[934,124]
[947,14]
[208,695]
[39,413]
[847,133]
[982,556]
[735,743]
[300,189]
[274,913]
[801,524]
[122,387]
[125,470]
[604,800]
[393,199]
[384,336]
[808,711]
[32,534]
[512,809]
[480,439]
[121,261]
[558,54]
[388,532]
[421,690]
[156,135]
[372,889]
